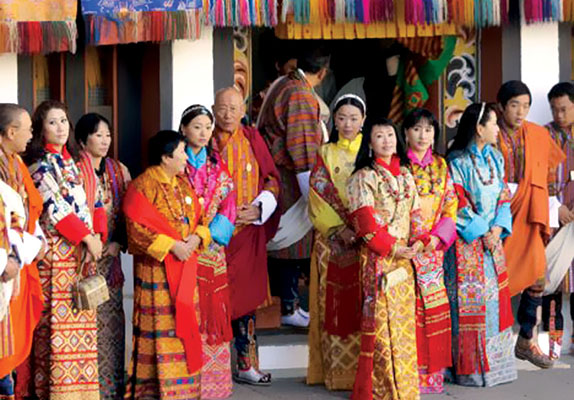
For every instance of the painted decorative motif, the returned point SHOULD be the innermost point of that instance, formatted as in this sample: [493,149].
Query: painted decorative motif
[242,71]
[460,81]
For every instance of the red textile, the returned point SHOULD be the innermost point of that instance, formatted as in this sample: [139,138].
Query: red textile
[394,167]
[72,228]
[462,196]
[179,274]
[26,308]
[51,148]
[343,294]
[101,223]
[247,251]
[365,224]
[99,217]
[434,336]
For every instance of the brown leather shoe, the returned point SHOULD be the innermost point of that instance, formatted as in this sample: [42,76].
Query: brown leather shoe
[528,350]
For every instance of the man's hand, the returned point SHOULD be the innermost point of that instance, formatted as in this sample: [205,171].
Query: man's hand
[565,216]
[248,214]
[11,271]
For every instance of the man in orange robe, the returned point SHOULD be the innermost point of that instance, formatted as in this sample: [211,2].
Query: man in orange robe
[26,307]
[529,154]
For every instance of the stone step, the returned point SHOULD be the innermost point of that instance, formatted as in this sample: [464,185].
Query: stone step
[284,352]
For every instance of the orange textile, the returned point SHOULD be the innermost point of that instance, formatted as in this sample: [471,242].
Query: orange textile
[524,249]
[26,308]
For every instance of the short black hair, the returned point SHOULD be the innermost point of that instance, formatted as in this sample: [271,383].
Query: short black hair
[162,144]
[365,157]
[562,89]
[415,116]
[87,125]
[512,89]
[313,60]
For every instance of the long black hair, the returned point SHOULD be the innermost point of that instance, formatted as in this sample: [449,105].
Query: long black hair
[162,144]
[345,100]
[365,157]
[87,125]
[468,123]
[35,149]
[188,115]
[417,115]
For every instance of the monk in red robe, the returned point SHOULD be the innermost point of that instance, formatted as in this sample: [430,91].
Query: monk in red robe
[529,153]
[256,182]
[26,305]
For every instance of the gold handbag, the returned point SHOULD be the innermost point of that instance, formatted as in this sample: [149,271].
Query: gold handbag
[88,293]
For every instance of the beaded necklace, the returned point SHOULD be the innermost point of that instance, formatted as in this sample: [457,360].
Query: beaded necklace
[435,181]
[490,167]
[181,214]
[396,194]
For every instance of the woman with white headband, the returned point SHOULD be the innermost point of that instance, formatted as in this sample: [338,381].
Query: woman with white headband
[438,203]
[475,269]
[335,292]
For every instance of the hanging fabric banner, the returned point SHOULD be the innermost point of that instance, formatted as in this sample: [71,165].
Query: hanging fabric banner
[112,22]
[31,26]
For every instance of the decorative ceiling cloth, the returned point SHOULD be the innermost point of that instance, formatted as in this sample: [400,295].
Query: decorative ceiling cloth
[37,26]
[467,13]
[112,22]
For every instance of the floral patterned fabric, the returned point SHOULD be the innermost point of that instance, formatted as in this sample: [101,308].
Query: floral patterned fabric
[476,292]
[384,208]
[213,185]
[63,331]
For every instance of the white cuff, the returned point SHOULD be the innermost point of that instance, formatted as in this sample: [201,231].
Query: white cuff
[268,204]
[553,207]
[32,246]
[513,187]
[3,260]
[17,244]
[303,180]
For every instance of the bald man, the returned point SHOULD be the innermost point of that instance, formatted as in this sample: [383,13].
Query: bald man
[256,182]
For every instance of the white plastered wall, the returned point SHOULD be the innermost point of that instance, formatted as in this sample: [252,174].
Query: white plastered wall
[8,78]
[540,66]
[192,73]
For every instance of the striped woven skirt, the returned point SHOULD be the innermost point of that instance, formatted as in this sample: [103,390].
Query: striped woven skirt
[158,368]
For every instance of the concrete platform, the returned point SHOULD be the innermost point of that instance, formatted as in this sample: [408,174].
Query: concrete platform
[532,383]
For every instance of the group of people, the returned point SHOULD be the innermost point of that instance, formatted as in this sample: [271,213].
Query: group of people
[413,256]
